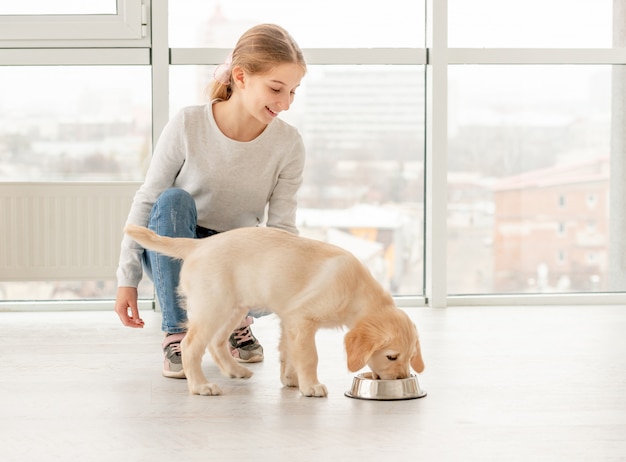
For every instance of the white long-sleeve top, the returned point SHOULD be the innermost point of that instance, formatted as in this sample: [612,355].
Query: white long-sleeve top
[232,182]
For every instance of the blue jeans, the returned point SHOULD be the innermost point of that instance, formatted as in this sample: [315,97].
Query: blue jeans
[174,214]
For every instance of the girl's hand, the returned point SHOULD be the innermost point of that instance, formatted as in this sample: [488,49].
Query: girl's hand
[126,307]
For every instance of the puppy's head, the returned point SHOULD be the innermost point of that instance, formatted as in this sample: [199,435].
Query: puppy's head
[387,343]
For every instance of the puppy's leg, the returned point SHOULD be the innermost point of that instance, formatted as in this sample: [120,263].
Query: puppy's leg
[220,350]
[193,347]
[288,374]
[303,354]
[219,347]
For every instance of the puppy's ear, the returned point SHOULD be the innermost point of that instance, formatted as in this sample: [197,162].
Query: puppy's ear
[360,345]
[417,363]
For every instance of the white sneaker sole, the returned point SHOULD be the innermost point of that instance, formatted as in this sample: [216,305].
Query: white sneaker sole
[174,374]
[251,359]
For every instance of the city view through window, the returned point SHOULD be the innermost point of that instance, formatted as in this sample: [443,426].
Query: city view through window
[529,179]
[530,198]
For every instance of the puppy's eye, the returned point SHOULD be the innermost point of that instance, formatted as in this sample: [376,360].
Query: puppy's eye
[392,357]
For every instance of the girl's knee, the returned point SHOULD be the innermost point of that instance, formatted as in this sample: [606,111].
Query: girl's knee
[174,214]
[177,197]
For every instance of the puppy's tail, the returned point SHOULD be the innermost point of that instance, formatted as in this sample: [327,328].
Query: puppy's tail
[178,247]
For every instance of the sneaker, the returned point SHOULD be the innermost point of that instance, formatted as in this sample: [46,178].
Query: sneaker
[244,346]
[172,361]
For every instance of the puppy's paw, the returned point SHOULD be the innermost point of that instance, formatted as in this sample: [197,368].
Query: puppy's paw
[289,380]
[240,372]
[288,375]
[317,390]
[205,389]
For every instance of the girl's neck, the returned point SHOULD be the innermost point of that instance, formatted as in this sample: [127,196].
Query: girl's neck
[234,122]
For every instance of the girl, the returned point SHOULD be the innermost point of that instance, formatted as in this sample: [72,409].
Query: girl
[217,167]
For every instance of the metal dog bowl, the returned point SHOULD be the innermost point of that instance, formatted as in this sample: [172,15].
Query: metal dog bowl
[365,387]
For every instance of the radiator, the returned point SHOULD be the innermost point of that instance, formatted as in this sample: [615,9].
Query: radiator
[62,231]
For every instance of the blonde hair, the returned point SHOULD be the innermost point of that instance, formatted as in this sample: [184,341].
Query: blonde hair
[259,50]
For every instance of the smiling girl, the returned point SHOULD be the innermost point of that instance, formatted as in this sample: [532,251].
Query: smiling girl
[216,167]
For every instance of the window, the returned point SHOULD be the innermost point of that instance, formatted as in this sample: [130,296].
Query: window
[319,24]
[592,200]
[30,21]
[535,140]
[484,135]
[530,24]
[58,7]
[75,109]
[363,125]
[74,123]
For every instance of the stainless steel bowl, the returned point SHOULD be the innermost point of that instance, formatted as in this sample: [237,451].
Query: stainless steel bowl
[365,387]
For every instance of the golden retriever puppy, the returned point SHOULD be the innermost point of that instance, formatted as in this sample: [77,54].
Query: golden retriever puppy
[308,284]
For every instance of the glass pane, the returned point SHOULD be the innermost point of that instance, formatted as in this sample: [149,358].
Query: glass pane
[74,123]
[323,23]
[28,7]
[531,203]
[531,23]
[363,186]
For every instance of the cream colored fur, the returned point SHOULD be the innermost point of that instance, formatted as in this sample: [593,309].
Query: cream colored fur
[307,283]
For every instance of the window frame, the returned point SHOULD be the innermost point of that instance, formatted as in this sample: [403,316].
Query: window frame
[129,27]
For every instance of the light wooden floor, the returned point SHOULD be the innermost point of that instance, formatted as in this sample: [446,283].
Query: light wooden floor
[504,384]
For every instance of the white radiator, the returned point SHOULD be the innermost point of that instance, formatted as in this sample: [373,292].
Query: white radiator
[62,231]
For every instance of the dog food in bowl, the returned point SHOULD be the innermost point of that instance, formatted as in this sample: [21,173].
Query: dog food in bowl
[365,387]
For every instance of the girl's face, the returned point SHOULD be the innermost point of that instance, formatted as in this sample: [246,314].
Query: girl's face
[267,95]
